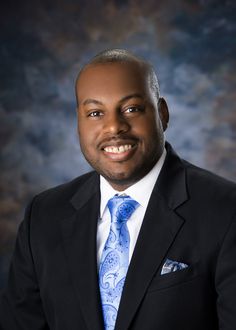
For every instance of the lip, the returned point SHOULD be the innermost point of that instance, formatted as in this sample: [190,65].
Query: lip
[121,156]
[117,142]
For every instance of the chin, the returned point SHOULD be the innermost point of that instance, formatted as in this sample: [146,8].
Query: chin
[117,177]
[121,179]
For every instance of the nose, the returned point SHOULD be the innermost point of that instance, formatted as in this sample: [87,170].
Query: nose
[115,124]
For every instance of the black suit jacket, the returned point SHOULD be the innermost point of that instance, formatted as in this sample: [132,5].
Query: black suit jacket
[53,282]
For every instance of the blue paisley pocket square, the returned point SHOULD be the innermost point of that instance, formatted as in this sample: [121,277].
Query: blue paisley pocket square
[172,266]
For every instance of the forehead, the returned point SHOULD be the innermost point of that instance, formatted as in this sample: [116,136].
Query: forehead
[112,79]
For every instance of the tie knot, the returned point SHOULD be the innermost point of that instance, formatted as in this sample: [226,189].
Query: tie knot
[121,208]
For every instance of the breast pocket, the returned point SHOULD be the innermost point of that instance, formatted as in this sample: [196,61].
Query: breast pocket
[165,281]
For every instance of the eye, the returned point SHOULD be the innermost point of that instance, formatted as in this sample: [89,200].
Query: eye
[133,109]
[95,113]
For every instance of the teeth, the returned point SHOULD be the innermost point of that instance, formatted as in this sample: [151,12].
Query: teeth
[118,150]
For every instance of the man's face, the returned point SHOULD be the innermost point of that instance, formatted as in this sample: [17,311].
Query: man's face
[119,125]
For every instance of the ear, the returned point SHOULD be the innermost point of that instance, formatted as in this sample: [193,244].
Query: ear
[163,112]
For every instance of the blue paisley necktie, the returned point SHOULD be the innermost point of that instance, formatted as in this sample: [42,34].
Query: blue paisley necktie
[115,257]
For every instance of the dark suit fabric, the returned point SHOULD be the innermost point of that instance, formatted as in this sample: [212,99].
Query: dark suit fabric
[53,282]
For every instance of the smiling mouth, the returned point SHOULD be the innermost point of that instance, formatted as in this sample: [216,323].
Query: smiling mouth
[118,149]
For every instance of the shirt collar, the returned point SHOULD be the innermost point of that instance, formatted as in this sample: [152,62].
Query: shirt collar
[140,191]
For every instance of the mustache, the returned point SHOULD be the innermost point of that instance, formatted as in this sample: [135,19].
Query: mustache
[117,140]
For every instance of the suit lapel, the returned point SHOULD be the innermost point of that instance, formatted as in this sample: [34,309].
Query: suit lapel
[160,227]
[79,237]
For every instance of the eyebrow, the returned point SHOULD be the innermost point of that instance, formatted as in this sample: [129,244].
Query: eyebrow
[88,101]
[131,96]
[123,99]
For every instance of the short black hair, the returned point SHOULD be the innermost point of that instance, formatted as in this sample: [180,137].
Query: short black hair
[117,55]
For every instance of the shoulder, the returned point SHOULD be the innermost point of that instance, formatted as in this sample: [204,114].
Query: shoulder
[57,200]
[195,178]
[68,189]
[184,181]
[211,198]
[207,182]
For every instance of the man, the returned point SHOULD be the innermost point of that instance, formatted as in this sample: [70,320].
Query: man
[178,245]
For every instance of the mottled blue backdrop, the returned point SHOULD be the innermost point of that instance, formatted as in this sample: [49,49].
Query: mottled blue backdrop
[43,44]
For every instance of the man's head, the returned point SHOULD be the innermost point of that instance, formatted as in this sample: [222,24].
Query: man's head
[121,117]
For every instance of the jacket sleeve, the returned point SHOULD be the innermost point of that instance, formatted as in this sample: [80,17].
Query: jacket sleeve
[226,280]
[20,305]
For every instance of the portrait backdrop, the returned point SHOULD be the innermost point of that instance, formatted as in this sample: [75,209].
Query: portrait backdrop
[43,45]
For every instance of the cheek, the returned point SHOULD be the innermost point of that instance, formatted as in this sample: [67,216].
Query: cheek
[87,139]
[85,131]
[148,130]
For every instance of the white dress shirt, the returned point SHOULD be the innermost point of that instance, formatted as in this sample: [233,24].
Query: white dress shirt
[141,192]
